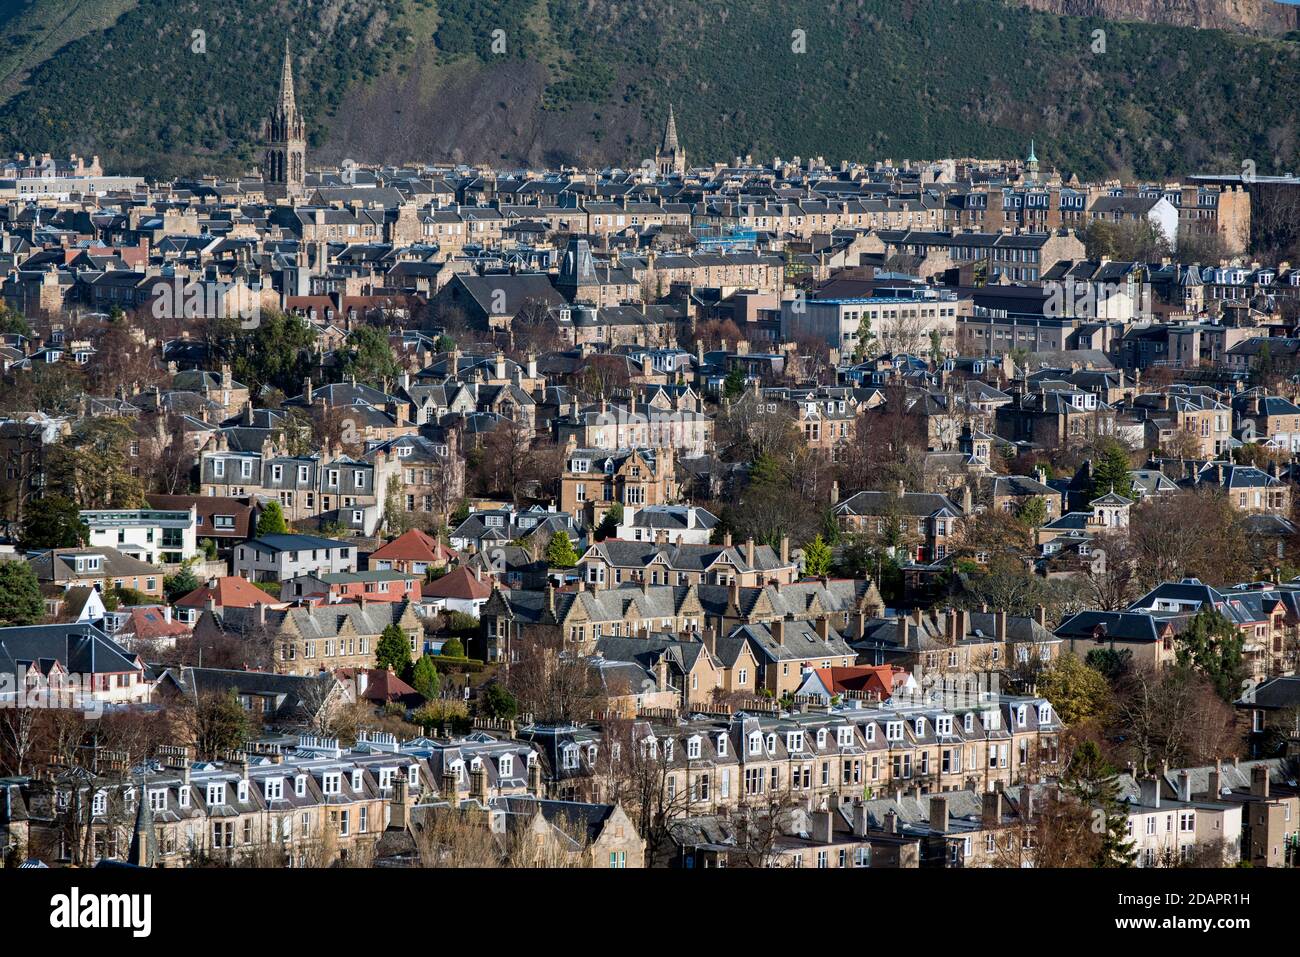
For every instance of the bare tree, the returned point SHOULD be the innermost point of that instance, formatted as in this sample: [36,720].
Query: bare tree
[554,682]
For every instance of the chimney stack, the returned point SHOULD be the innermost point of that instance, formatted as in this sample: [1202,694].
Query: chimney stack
[1259,780]
[991,815]
[823,827]
[938,814]
[859,818]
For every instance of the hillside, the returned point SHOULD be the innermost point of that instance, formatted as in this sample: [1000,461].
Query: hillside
[589,82]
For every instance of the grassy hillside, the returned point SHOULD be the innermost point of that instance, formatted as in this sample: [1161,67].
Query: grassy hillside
[31,31]
[590,81]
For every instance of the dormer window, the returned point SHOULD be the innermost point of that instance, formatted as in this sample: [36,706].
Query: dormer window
[273,789]
[755,743]
[894,731]
[771,743]
[569,757]
[300,785]
[357,778]
[332,783]
[413,776]
[794,741]
[722,745]
[1044,714]
[216,794]
[844,736]
[386,778]
[591,754]
[943,725]
[870,730]
[506,766]
[821,738]
[183,796]
[693,749]
[920,727]
[241,792]
[1021,715]
[668,750]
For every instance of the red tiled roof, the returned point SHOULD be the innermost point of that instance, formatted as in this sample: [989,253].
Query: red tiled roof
[381,684]
[231,591]
[414,545]
[882,679]
[151,622]
[460,583]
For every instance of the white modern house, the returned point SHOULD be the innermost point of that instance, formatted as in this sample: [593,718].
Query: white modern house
[156,536]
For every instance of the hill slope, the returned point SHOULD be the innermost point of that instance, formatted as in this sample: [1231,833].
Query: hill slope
[589,82]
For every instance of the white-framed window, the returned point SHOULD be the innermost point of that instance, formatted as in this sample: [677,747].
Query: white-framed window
[332,782]
[506,766]
[216,794]
[300,785]
[273,789]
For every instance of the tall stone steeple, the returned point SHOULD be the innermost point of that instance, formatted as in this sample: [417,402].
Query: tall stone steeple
[284,164]
[670,157]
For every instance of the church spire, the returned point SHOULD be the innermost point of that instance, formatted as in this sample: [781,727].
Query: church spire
[288,105]
[670,157]
[284,162]
[670,133]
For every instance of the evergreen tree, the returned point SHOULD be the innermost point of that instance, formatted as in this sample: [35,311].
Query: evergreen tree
[1213,645]
[734,385]
[608,526]
[181,584]
[425,678]
[369,357]
[496,701]
[560,552]
[1111,472]
[271,521]
[53,522]
[394,651]
[453,648]
[20,595]
[817,558]
[1092,781]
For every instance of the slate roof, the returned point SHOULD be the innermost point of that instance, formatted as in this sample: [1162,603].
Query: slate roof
[78,648]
